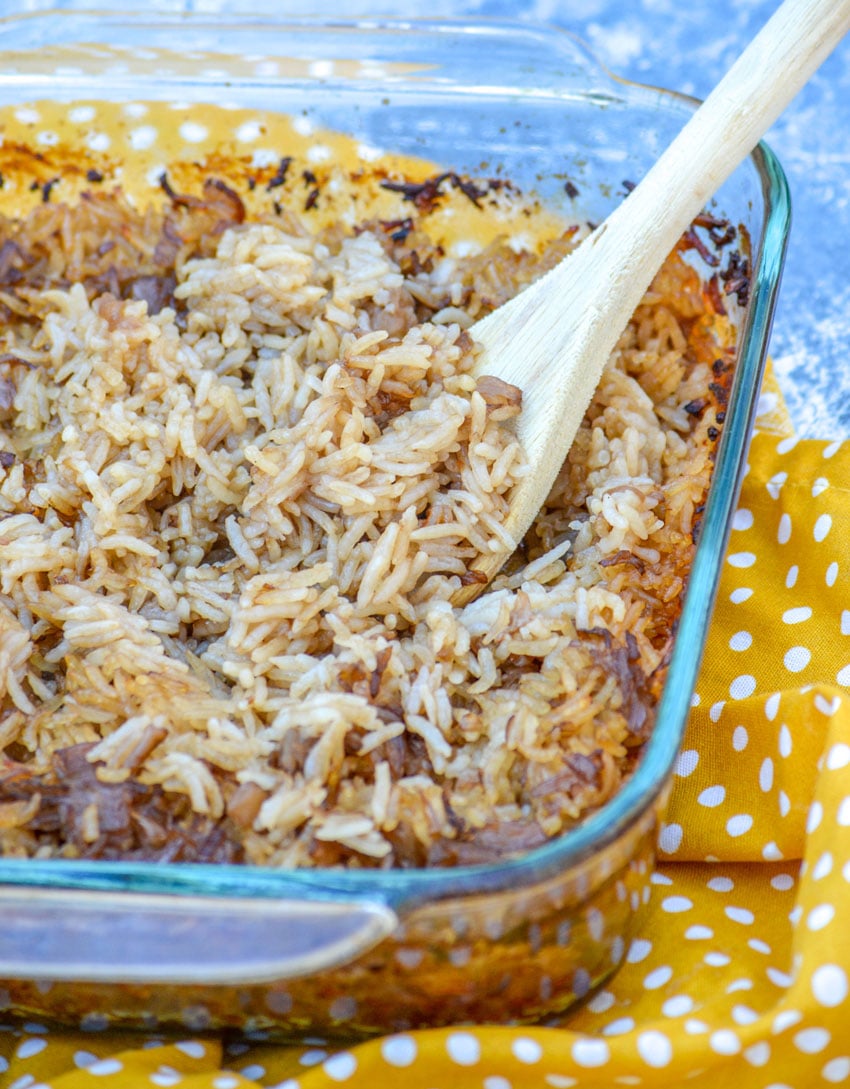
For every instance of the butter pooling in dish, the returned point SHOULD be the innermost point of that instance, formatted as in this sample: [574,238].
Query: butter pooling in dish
[244,469]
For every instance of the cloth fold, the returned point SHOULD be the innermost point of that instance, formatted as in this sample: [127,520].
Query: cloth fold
[741,976]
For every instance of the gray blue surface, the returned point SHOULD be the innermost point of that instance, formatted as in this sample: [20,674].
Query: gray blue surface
[687,45]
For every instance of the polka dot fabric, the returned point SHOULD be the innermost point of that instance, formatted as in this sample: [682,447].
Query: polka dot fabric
[742,974]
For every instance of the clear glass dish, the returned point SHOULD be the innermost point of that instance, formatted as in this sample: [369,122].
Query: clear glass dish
[348,952]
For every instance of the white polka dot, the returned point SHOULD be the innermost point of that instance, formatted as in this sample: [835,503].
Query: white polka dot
[639,950]
[797,615]
[823,867]
[739,915]
[742,687]
[786,445]
[836,1070]
[819,486]
[527,1050]
[658,977]
[829,985]
[560,1081]
[758,1054]
[228,1081]
[192,132]
[791,577]
[28,116]
[742,519]
[659,878]
[312,1057]
[716,710]
[838,756]
[771,853]
[843,816]
[724,1042]
[193,1048]
[601,1002]
[739,825]
[339,1067]
[249,131]
[783,534]
[496,1081]
[82,1059]
[619,1027]
[785,743]
[143,137]
[105,1067]
[670,838]
[30,1047]
[831,573]
[845,621]
[686,763]
[740,738]
[811,1041]
[832,449]
[676,904]
[712,796]
[741,640]
[721,884]
[743,1015]
[655,1049]
[253,1071]
[759,946]
[815,816]
[843,675]
[695,1028]
[766,774]
[678,1005]
[588,1052]
[717,960]
[780,979]
[796,915]
[398,1050]
[81,114]
[774,485]
[771,705]
[741,559]
[797,658]
[822,527]
[784,803]
[699,933]
[98,141]
[742,594]
[463,1048]
[166,1077]
[739,985]
[820,916]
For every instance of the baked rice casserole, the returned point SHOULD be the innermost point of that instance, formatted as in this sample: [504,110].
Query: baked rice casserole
[243,470]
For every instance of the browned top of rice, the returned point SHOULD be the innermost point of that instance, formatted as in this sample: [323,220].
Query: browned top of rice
[243,468]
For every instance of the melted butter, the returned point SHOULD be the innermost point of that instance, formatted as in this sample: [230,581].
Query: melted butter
[55,151]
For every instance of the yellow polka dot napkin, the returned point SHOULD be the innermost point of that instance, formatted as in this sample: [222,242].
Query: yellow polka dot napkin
[741,976]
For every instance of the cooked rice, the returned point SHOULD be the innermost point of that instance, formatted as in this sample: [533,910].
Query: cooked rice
[244,469]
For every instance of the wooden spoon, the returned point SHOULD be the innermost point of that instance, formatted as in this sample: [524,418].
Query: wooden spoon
[554,338]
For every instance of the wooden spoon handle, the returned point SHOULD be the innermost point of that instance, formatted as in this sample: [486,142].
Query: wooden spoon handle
[553,339]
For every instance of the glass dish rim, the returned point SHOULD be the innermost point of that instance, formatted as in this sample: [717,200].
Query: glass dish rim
[647,781]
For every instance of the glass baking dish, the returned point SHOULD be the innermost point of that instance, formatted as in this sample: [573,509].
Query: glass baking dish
[345,952]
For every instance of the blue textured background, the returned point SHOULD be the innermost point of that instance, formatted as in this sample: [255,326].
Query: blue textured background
[687,45]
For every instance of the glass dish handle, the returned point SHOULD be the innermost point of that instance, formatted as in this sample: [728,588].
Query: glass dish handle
[62,934]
